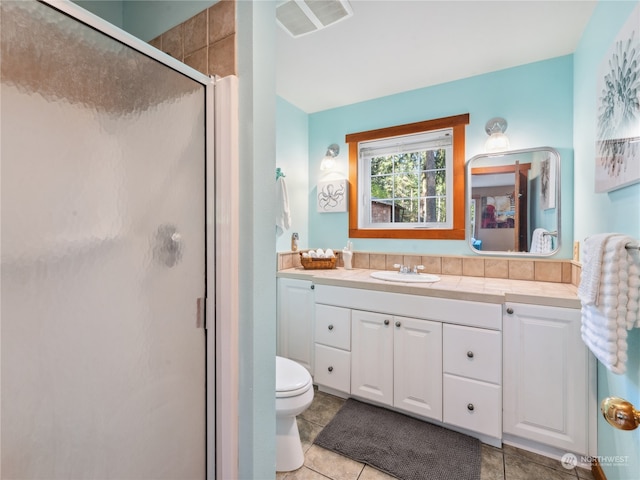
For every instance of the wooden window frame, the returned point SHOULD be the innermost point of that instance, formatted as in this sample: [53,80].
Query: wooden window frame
[458,231]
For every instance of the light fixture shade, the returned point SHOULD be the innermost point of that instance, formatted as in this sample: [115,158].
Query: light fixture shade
[329,162]
[497,141]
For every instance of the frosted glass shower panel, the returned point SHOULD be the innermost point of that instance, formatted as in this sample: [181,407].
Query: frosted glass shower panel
[102,249]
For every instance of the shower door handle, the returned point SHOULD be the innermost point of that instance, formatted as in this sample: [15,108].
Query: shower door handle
[168,245]
[201,313]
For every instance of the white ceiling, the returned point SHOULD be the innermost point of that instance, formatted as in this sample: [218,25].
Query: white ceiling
[392,46]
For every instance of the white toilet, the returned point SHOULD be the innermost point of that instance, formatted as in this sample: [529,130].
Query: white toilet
[294,394]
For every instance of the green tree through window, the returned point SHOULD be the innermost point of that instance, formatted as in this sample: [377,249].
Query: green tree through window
[413,182]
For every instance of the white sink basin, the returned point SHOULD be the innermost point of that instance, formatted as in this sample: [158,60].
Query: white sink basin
[393,276]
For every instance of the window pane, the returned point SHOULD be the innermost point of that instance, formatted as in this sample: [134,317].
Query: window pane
[381,211]
[433,209]
[406,186]
[434,183]
[382,187]
[433,159]
[407,162]
[406,211]
[381,165]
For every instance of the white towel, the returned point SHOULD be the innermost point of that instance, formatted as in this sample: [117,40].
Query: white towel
[606,340]
[540,241]
[609,292]
[283,214]
[592,252]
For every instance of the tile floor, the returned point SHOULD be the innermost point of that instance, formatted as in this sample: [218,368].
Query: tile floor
[508,463]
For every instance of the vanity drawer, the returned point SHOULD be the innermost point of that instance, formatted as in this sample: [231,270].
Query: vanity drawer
[472,353]
[472,405]
[333,368]
[333,326]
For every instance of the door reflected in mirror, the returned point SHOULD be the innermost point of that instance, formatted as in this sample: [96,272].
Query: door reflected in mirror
[513,202]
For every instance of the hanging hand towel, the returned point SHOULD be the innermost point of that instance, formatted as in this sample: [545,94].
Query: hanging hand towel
[592,252]
[605,337]
[609,298]
[283,214]
[540,241]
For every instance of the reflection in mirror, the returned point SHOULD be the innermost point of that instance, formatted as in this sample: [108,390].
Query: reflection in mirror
[513,202]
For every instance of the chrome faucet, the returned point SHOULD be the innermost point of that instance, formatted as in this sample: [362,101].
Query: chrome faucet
[407,270]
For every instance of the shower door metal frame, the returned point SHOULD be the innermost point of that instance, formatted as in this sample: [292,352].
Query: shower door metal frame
[216,460]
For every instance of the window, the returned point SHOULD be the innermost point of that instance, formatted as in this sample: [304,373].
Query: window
[408,180]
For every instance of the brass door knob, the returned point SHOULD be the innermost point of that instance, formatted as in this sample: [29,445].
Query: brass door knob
[620,413]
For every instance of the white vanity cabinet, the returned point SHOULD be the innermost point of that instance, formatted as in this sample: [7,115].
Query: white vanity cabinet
[295,311]
[332,348]
[411,353]
[549,391]
[472,379]
[504,372]
[397,361]
[372,356]
[417,366]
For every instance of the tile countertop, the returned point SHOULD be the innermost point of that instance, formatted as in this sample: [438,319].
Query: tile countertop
[477,289]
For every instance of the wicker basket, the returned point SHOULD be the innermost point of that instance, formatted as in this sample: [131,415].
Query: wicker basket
[317,263]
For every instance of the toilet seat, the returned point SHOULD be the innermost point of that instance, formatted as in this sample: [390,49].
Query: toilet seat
[292,379]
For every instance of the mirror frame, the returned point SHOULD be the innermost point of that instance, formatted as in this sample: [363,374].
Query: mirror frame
[469,199]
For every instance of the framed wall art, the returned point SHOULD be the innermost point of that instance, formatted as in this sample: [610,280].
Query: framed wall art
[332,196]
[618,111]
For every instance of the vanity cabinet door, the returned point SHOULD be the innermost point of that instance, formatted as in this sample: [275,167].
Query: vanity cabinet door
[333,326]
[473,405]
[546,376]
[472,353]
[295,310]
[372,356]
[333,368]
[418,366]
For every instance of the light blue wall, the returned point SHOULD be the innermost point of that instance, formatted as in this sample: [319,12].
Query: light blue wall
[256,24]
[146,19]
[109,10]
[292,156]
[536,99]
[617,211]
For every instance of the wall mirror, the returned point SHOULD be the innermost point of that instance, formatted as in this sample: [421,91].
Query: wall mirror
[513,202]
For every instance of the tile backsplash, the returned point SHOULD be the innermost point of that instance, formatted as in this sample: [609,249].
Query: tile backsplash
[541,270]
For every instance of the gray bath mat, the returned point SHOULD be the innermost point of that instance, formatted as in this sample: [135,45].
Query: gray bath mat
[399,445]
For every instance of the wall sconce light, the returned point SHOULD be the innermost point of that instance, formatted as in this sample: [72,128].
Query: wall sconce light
[329,162]
[497,141]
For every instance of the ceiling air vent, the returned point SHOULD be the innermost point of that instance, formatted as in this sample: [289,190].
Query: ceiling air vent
[299,17]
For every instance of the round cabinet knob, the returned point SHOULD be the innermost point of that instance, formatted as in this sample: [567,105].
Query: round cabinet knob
[470,354]
[470,407]
[312,287]
[386,321]
[398,324]
[330,327]
[330,369]
[510,310]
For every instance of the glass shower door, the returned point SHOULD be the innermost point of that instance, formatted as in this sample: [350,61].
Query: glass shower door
[102,256]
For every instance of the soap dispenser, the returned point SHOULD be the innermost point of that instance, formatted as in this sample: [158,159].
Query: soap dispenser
[347,256]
